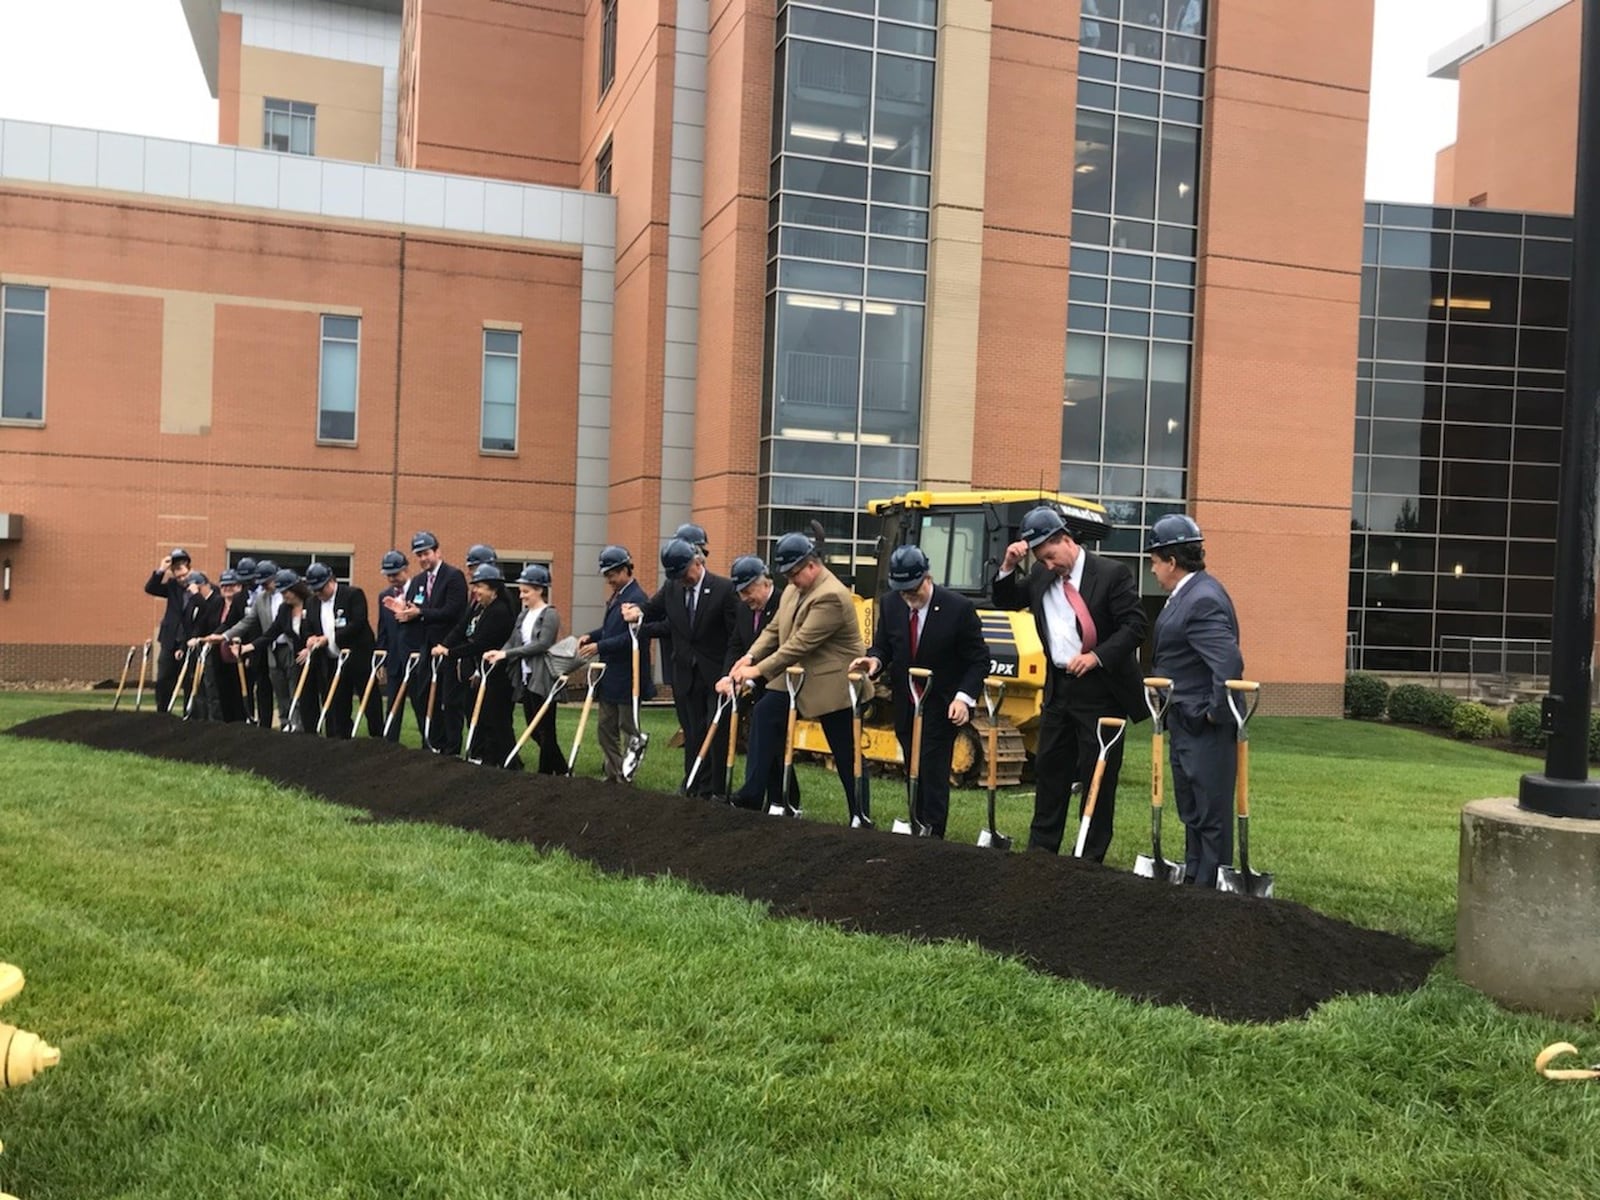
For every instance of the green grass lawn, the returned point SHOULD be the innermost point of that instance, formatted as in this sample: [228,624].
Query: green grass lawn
[259,995]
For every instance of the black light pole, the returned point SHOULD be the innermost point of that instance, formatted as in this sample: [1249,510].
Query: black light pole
[1564,789]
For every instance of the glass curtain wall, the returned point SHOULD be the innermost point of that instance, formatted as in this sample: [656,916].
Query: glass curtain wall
[1458,435]
[847,263]
[1131,300]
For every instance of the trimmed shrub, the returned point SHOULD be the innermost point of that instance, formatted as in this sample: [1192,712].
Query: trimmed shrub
[1502,725]
[1472,722]
[1406,704]
[1594,736]
[1439,709]
[1522,721]
[1365,696]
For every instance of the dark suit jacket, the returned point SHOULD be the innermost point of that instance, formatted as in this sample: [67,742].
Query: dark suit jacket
[1120,624]
[281,625]
[745,628]
[950,643]
[353,631]
[1197,647]
[204,614]
[488,629]
[400,640]
[616,650]
[174,628]
[698,649]
[442,610]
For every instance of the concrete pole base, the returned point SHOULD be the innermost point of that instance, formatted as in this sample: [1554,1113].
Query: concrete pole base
[1528,909]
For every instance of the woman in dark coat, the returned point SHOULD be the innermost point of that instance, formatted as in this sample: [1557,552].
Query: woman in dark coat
[487,629]
[295,627]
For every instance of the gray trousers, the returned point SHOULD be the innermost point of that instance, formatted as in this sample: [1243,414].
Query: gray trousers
[616,730]
[1204,764]
[283,673]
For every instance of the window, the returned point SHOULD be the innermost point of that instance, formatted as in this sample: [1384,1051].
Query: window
[336,393]
[602,169]
[289,126]
[502,354]
[22,312]
[608,44]
[956,545]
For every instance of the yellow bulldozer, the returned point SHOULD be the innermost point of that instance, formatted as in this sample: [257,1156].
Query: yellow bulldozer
[965,535]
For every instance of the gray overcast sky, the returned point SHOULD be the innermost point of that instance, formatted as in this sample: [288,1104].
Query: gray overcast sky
[128,65]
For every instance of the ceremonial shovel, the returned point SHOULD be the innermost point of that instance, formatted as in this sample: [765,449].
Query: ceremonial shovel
[993,694]
[640,740]
[595,671]
[1116,725]
[1157,695]
[1250,883]
[917,681]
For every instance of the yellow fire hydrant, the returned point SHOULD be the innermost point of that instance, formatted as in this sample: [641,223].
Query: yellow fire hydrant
[22,1054]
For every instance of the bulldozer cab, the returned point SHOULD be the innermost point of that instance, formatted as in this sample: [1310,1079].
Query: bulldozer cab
[965,534]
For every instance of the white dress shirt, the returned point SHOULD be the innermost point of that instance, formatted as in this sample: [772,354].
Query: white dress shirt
[328,631]
[1066,640]
[530,617]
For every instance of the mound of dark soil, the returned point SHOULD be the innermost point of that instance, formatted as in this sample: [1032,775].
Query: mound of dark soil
[1229,957]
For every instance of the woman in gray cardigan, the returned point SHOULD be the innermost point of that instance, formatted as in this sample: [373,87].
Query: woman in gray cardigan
[526,654]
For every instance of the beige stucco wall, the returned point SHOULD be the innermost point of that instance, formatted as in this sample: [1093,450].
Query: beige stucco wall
[348,96]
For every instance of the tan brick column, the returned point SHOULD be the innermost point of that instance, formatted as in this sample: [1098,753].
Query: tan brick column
[955,244]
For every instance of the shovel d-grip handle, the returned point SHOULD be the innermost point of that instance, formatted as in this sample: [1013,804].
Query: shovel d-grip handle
[1244,697]
[1157,696]
[1541,1064]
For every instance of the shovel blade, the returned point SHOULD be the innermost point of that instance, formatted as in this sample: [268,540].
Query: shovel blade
[1244,883]
[991,839]
[634,755]
[901,826]
[1169,872]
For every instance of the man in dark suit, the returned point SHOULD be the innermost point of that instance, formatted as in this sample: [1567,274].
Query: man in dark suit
[1091,625]
[400,641]
[759,595]
[938,629]
[169,582]
[436,598]
[699,610]
[1197,647]
[614,647]
[339,621]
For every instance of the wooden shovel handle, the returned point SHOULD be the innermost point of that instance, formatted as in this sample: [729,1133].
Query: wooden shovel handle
[1541,1064]
[1156,746]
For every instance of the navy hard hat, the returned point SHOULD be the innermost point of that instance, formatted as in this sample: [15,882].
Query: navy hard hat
[487,573]
[393,562]
[1174,529]
[423,540]
[199,577]
[1040,525]
[676,557]
[318,575]
[228,578]
[908,567]
[792,550]
[694,534]
[266,569]
[285,579]
[179,554]
[746,569]
[612,557]
[478,554]
[535,575]
[246,568]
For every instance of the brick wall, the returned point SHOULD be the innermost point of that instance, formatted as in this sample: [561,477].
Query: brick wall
[143,294]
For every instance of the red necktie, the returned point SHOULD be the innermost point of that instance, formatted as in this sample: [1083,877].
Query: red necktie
[427,587]
[916,621]
[1085,621]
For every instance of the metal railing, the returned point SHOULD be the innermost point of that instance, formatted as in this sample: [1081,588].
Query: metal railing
[1495,668]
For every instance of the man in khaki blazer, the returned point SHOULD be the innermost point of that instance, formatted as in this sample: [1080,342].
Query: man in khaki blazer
[815,628]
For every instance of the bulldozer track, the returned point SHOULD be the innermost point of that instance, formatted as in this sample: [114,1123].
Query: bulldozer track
[1011,756]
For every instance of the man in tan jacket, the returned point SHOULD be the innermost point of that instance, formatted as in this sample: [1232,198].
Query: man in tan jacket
[815,628]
